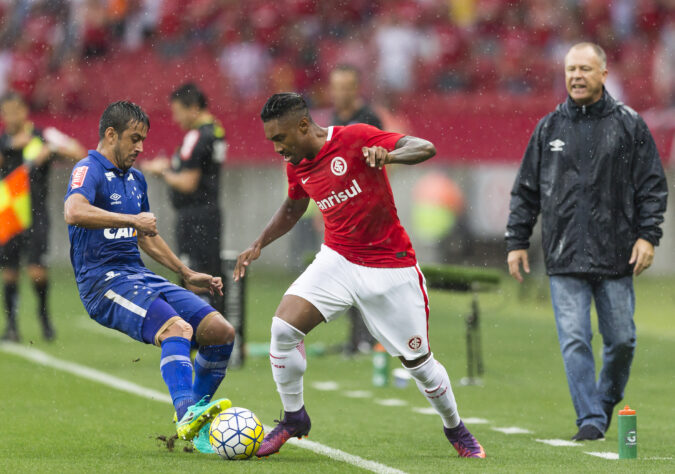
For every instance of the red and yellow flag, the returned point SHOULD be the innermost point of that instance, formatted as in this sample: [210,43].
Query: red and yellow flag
[15,210]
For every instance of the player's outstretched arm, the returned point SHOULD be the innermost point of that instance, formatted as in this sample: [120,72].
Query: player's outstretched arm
[409,151]
[80,212]
[283,220]
[159,250]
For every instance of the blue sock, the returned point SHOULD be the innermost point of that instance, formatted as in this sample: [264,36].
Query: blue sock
[176,370]
[210,366]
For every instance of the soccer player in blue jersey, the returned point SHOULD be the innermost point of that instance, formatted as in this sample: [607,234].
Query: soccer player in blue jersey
[107,211]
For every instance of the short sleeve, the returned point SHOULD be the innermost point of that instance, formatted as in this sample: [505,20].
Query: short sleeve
[84,180]
[194,151]
[295,189]
[375,137]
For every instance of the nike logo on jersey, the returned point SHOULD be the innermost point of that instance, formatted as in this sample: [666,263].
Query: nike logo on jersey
[337,198]
[119,233]
[304,180]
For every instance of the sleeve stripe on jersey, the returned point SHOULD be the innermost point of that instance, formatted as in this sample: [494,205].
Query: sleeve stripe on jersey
[125,303]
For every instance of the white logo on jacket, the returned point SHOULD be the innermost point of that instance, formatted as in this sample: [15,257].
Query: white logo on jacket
[557,145]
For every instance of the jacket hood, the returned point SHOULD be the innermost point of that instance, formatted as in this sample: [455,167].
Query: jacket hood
[601,108]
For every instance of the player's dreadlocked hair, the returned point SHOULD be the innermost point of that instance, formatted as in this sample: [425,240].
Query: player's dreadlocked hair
[119,115]
[282,104]
[189,95]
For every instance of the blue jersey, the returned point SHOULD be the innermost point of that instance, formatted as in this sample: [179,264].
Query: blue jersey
[95,252]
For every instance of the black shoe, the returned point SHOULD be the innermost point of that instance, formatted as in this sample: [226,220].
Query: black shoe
[48,333]
[11,335]
[588,433]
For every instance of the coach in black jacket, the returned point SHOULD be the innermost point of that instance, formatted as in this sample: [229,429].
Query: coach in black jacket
[592,170]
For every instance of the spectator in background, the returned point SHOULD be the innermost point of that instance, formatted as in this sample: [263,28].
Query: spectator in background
[22,143]
[348,108]
[245,63]
[348,105]
[193,176]
[592,170]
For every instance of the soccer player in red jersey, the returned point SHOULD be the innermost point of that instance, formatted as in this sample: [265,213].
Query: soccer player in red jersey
[366,261]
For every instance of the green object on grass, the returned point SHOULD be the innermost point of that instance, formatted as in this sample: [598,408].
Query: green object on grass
[459,278]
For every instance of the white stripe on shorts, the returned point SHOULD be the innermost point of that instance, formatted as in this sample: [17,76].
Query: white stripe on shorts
[125,303]
[174,358]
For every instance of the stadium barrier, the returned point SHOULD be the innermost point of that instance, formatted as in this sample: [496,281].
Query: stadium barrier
[466,279]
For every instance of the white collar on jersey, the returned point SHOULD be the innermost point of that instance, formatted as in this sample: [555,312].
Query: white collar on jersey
[330,133]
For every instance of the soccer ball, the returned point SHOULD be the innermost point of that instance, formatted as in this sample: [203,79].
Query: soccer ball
[236,433]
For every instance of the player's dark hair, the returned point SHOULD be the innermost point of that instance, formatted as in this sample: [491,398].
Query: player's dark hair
[189,95]
[12,96]
[282,104]
[119,115]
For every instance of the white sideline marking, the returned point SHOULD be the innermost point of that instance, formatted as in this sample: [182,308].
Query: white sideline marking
[558,442]
[604,455]
[474,421]
[328,386]
[512,430]
[425,411]
[85,372]
[42,358]
[342,456]
[391,402]
[359,394]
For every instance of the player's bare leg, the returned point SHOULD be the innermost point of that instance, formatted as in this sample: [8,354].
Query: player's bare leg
[295,317]
[10,277]
[433,381]
[38,274]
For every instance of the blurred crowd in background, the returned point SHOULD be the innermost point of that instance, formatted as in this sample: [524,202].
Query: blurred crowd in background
[58,53]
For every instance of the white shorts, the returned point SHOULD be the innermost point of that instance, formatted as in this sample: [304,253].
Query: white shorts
[393,301]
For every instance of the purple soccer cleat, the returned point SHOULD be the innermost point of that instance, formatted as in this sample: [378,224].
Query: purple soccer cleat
[463,441]
[295,424]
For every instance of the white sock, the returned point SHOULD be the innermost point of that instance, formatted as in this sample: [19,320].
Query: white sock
[433,381]
[288,360]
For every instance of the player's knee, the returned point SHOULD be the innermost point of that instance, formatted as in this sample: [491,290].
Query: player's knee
[411,364]
[284,336]
[214,329]
[178,328]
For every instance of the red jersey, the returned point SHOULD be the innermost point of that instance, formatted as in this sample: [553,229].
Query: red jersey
[359,213]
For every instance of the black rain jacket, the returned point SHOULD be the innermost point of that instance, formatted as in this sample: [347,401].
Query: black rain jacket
[596,177]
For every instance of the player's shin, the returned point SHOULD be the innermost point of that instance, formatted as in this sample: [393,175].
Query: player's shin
[433,381]
[210,367]
[289,362]
[176,370]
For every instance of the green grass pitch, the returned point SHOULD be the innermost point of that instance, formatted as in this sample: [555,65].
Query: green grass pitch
[53,421]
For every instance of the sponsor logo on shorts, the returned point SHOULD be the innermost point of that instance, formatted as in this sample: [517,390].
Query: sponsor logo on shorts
[78,177]
[415,343]
[119,233]
[338,166]
[337,198]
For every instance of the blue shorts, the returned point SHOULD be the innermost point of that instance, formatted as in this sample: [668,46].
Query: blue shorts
[122,302]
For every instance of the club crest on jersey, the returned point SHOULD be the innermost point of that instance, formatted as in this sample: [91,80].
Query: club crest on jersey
[119,233]
[337,198]
[338,166]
